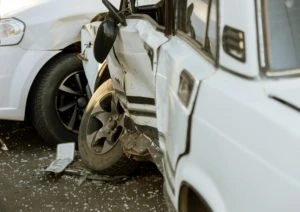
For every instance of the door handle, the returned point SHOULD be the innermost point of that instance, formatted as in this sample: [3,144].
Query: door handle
[185,88]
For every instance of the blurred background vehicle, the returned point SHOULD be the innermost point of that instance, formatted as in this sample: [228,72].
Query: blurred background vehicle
[41,77]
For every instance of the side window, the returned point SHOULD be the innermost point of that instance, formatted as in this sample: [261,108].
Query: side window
[212,29]
[197,14]
[201,23]
[139,3]
[153,8]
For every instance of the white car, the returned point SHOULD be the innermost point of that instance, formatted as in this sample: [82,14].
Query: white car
[41,77]
[212,85]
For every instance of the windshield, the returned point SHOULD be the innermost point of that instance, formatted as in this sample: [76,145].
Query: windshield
[283,34]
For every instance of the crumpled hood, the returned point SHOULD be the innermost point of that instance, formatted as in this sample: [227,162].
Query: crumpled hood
[51,24]
[285,90]
[28,9]
[10,8]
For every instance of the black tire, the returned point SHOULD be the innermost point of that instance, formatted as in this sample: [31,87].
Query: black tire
[52,106]
[94,134]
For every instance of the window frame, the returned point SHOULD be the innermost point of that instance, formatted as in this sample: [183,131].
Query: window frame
[262,5]
[168,16]
[180,19]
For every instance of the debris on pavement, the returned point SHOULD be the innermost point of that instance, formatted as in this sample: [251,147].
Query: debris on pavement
[23,187]
[64,156]
[87,175]
[3,145]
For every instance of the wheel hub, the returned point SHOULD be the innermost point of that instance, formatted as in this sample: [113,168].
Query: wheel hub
[71,100]
[105,125]
[82,102]
[111,124]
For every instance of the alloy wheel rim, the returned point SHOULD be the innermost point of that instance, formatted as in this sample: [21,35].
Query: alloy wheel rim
[105,124]
[71,100]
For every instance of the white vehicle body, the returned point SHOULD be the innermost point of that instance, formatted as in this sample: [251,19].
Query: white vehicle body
[50,27]
[90,65]
[227,118]
[241,148]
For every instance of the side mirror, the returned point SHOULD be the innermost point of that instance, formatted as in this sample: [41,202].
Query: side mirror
[106,36]
[114,12]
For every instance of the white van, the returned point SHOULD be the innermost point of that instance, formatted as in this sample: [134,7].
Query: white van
[214,87]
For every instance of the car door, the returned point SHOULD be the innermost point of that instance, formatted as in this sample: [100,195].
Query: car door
[88,35]
[184,61]
[136,48]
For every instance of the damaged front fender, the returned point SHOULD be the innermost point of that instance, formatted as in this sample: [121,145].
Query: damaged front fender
[55,24]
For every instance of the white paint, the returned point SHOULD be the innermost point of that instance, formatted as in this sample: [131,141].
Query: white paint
[246,144]
[237,18]
[91,66]
[136,76]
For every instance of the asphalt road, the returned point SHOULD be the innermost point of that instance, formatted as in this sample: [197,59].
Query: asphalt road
[24,188]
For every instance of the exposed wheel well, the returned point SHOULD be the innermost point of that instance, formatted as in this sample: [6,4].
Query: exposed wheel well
[190,200]
[73,48]
[102,76]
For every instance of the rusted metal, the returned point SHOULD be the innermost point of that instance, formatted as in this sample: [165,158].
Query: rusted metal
[135,145]
[140,147]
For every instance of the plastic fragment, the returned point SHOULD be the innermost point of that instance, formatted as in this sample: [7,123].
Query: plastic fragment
[3,145]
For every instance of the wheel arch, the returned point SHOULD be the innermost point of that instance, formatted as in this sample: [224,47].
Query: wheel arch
[21,104]
[103,75]
[73,48]
[191,200]
[195,179]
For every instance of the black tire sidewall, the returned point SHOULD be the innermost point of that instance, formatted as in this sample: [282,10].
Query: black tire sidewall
[45,116]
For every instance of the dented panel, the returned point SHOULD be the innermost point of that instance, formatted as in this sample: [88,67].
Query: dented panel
[138,56]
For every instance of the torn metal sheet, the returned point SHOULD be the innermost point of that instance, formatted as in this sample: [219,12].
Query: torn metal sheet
[64,156]
[3,145]
[135,145]
[157,156]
